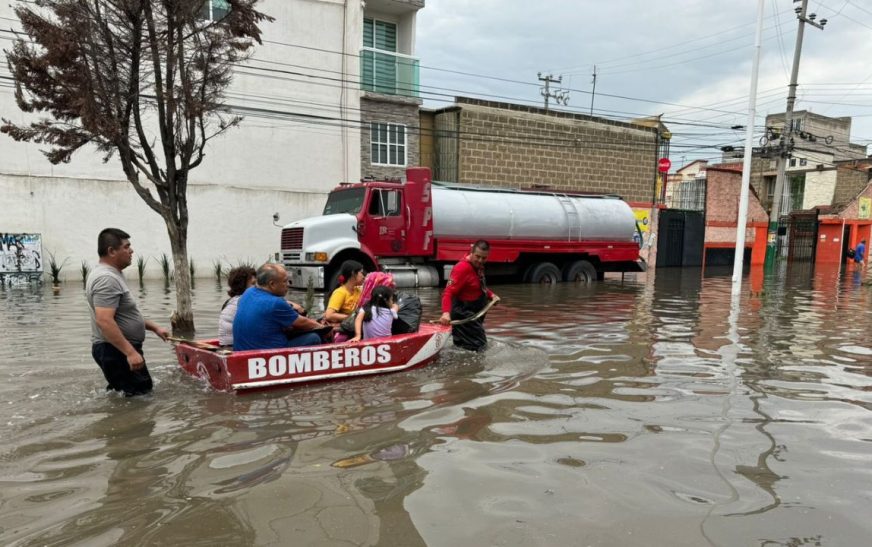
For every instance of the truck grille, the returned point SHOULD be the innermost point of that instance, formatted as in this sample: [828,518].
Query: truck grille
[292,238]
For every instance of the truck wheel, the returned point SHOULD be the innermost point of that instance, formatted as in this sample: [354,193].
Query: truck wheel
[580,271]
[543,273]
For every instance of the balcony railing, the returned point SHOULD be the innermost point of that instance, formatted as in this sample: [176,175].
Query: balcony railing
[389,73]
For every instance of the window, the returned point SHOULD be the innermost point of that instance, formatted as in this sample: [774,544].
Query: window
[797,192]
[344,201]
[380,35]
[793,162]
[388,144]
[215,10]
[803,161]
[769,186]
[378,59]
[385,203]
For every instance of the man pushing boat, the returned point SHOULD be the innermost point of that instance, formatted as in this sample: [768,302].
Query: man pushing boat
[465,296]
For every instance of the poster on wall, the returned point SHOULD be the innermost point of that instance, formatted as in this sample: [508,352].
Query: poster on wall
[865,208]
[20,258]
[643,221]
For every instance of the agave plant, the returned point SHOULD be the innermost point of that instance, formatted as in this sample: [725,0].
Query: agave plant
[55,268]
[309,302]
[140,267]
[165,267]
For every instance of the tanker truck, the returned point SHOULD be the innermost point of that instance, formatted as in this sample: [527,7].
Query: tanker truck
[418,229]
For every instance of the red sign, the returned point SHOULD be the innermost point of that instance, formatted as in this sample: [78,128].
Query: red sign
[663,165]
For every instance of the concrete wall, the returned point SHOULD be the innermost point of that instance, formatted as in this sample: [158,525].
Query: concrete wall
[228,224]
[282,158]
[819,188]
[519,146]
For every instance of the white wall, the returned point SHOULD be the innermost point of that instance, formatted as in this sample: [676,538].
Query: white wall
[226,224]
[820,187]
[274,162]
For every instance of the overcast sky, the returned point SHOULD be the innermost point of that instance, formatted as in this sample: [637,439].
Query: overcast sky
[687,53]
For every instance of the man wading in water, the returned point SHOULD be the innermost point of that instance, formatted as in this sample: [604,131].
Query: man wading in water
[465,295]
[117,326]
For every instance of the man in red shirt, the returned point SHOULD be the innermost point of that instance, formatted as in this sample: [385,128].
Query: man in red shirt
[465,295]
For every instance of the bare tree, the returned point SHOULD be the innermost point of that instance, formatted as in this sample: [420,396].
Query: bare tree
[140,79]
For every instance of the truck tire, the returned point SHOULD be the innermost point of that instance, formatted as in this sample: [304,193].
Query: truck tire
[580,271]
[543,273]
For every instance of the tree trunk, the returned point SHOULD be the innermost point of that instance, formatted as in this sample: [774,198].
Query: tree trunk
[183,317]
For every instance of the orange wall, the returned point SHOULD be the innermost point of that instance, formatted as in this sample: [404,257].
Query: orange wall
[829,244]
[758,252]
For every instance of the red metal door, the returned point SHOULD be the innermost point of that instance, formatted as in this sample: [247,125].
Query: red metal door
[386,222]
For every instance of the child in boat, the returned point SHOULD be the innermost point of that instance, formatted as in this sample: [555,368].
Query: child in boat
[374,319]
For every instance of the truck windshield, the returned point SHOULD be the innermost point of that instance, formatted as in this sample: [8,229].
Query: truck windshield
[344,201]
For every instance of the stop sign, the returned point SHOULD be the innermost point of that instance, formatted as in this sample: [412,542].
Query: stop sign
[663,165]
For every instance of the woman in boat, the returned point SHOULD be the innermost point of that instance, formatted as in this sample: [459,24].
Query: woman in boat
[239,279]
[376,316]
[344,299]
[373,280]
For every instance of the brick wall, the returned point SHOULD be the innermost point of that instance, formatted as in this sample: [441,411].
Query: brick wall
[849,183]
[517,146]
[388,109]
[722,206]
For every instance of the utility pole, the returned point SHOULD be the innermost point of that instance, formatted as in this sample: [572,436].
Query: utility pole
[739,256]
[786,142]
[593,91]
[559,95]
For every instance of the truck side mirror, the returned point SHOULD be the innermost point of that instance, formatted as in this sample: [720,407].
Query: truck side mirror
[276,220]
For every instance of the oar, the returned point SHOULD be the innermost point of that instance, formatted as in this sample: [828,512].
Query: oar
[194,343]
[472,318]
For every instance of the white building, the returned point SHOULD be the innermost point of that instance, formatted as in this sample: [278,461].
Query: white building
[331,96]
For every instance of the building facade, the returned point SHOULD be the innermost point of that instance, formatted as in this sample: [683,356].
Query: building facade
[517,146]
[324,81]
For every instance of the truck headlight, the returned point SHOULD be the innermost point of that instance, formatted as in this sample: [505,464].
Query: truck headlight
[316,257]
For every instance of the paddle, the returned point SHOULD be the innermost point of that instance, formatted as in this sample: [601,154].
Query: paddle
[478,315]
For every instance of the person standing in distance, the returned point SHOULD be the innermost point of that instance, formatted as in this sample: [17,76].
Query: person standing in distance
[860,252]
[467,294]
[117,326]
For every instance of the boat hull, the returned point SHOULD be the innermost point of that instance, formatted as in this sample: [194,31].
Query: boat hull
[262,369]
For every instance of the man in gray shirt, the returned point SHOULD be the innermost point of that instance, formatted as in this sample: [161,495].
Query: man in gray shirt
[117,326]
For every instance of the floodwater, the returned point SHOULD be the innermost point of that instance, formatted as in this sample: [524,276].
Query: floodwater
[624,413]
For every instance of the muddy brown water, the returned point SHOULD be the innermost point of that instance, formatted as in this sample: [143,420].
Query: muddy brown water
[624,413]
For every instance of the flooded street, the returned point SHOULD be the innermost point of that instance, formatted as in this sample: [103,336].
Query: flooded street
[615,414]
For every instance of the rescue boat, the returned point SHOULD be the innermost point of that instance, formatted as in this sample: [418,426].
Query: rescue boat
[260,369]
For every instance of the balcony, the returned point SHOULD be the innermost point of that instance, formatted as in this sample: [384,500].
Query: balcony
[389,73]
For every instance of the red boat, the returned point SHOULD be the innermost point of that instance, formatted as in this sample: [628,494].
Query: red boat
[258,369]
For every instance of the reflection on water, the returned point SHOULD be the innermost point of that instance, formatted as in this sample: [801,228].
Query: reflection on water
[622,413]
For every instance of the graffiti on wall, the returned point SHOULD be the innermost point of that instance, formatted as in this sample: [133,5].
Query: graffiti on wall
[20,258]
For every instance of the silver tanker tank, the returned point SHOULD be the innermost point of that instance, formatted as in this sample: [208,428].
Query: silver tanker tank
[493,213]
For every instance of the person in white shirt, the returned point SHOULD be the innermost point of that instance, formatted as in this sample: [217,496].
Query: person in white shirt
[239,279]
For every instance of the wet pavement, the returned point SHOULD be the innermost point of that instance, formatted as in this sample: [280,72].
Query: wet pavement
[622,413]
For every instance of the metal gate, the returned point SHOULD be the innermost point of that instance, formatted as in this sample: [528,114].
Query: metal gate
[801,229]
[680,238]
